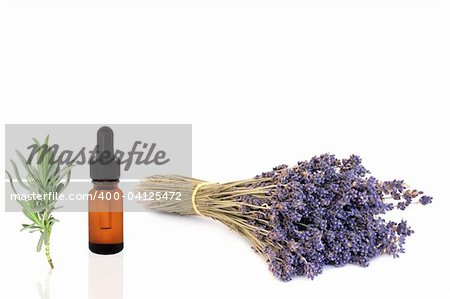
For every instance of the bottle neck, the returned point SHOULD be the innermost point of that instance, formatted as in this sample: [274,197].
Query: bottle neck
[105,185]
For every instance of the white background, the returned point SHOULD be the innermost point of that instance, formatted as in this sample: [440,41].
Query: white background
[263,84]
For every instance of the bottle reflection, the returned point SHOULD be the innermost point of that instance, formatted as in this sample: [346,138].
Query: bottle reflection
[44,291]
[105,276]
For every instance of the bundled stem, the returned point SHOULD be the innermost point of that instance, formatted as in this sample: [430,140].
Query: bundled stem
[217,201]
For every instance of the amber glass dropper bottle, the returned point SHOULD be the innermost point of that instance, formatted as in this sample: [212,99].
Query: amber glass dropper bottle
[106,199]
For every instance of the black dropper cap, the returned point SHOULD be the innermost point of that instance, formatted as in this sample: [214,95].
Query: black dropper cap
[105,166]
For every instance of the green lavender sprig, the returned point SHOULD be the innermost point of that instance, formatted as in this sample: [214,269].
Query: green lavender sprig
[44,179]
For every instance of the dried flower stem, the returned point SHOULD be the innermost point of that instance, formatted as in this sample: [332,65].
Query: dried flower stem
[217,201]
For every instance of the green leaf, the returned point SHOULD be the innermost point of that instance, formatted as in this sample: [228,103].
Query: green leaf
[25,226]
[11,182]
[52,170]
[39,244]
[53,220]
[65,171]
[36,142]
[40,171]
[24,203]
[23,160]
[67,182]
[31,216]
[38,209]
[45,162]
[60,187]
[28,214]
[19,179]
[30,226]
[34,173]
[46,236]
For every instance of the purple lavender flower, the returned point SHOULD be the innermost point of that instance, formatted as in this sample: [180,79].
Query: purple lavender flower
[425,200]
[328,211]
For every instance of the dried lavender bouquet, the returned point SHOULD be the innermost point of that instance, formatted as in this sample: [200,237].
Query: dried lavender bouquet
[325,211]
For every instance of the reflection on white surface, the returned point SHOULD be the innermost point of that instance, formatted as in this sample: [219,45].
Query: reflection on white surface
[44,291]
[105,276]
